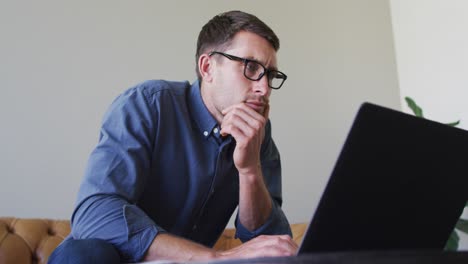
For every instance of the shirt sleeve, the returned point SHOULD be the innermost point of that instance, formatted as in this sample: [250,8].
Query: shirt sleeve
[115,177]
[277,223]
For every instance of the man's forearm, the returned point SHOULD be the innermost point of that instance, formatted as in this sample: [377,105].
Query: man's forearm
[247,127]
[169,247]
[254,200]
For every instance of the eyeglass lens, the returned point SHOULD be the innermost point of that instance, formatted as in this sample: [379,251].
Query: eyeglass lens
[254,71]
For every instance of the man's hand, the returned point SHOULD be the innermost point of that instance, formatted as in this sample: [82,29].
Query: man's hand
[262,246]
[247,126]
[245,123]
[169,247]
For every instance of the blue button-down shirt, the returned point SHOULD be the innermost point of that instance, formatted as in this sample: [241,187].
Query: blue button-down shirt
[162,166]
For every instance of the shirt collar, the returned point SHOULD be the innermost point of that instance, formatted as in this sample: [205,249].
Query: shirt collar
[203,118]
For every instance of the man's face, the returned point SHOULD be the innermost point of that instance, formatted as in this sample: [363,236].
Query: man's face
[229,86]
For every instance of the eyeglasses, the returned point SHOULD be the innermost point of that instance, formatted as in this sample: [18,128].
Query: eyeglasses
[254,70]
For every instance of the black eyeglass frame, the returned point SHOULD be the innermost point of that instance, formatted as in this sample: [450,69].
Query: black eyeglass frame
[266,71]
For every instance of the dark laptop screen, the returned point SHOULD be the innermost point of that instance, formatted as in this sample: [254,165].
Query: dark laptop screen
[400,182]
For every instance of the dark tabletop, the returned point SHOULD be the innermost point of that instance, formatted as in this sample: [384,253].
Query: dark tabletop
[374,257]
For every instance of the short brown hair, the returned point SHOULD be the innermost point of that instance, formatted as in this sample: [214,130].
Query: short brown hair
[219,31]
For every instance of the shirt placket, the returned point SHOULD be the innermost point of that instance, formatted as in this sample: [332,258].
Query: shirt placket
[219,169]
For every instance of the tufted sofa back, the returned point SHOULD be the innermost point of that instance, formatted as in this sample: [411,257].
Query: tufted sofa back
[31,241]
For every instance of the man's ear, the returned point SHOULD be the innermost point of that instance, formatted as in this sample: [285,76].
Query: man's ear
[205,67]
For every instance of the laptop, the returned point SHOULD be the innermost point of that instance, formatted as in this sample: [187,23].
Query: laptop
[400,183]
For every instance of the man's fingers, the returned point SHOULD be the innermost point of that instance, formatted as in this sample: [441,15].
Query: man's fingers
[235,131]
[282,241]
[244,117]
[239,129]
[243,121]
[242,106]
[264,246]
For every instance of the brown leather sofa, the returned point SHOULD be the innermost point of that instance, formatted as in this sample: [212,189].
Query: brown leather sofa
[24,241]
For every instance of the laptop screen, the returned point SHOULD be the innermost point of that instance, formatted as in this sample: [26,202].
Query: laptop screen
[400,182]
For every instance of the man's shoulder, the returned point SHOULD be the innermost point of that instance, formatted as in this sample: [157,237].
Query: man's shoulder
[152,87]
[152,91]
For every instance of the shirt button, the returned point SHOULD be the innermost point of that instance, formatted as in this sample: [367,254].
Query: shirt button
[216,130]
[205,133]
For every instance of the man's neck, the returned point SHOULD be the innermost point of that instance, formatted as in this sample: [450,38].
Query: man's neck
[206,97]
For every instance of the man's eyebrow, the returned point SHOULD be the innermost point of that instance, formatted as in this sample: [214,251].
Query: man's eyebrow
[253,59]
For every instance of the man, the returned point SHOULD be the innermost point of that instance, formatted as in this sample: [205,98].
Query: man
[174,160]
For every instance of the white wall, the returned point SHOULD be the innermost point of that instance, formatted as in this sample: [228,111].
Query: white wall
[63,62]
[431,44]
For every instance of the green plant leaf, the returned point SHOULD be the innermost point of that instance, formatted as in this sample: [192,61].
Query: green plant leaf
[462,225]
[454,123]
[452,243]
[414,107]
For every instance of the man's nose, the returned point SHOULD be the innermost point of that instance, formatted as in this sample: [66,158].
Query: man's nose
[261,85]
